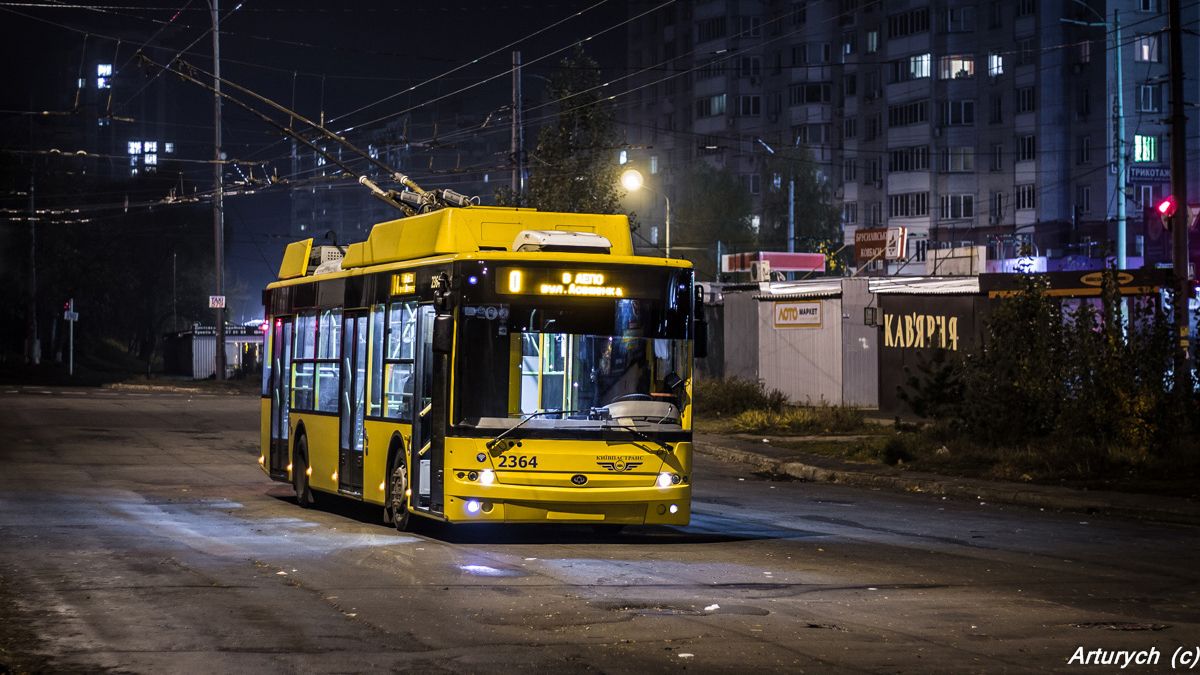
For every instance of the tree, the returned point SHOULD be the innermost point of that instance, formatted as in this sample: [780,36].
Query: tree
[711,205]
[817,219]
[572,168]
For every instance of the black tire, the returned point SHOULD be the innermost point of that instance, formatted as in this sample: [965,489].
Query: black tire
[305,496]
[396,511]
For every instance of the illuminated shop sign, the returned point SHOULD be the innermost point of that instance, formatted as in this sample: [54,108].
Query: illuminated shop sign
[569,283]
[404,283]
[916,330]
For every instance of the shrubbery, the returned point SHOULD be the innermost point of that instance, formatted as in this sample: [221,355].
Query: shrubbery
[812,420]
[731,396]
[1068,376]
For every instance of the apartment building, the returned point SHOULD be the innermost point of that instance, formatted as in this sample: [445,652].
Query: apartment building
[990,123]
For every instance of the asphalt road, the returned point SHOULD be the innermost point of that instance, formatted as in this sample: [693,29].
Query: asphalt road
[137,534]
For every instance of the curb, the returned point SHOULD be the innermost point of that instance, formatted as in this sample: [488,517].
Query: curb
[1127,505]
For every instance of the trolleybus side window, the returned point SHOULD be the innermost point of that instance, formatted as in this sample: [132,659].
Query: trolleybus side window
[303,367]
[268,355]
[375,391]
[398,362]
[328,367]
[316,371]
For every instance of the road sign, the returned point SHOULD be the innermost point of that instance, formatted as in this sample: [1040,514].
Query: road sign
[216,302]
[71,316]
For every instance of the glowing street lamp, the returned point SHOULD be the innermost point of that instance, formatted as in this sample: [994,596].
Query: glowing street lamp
[631,180]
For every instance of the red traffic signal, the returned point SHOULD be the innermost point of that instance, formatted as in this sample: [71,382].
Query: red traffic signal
[1166,209]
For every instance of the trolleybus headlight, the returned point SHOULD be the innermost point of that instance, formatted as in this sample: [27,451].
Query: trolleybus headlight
[472,507]
[674,508]
[487,477]
[664,480]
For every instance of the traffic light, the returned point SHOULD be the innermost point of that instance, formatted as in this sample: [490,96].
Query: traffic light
[1166,209]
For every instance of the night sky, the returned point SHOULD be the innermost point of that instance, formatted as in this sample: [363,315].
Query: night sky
[331,58]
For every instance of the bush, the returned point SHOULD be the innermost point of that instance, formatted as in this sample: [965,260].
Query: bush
[815,419]
[734,395]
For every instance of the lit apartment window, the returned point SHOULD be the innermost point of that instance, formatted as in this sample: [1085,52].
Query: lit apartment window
[956,67]
[150,146]
[169,148]
[995,64]
[135,147]
[653,164]
[1145,148]
[103,75]
[872,41]
[623,157]
[151,159]
[918,66]
[1146,49]
[81,83]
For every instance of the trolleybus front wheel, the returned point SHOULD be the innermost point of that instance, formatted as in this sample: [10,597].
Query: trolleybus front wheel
[396,511]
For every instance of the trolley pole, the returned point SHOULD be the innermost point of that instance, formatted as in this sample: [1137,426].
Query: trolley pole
[1179,229]
[218,193]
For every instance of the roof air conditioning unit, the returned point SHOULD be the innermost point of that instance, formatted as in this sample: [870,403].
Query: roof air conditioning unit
[760,270]
[552,241]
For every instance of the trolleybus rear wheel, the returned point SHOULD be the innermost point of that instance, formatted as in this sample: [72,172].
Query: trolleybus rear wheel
[304,493]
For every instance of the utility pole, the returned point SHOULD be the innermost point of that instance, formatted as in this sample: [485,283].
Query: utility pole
[1179,228]
[518,135]
[33,347]
[218,194]
[1119,111]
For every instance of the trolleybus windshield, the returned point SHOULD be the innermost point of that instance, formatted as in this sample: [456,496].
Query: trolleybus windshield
[605,361]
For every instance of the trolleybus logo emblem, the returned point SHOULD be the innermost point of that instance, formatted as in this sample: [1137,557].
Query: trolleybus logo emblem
[619,465]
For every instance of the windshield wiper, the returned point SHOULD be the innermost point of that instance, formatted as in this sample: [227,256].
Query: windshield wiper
[491,445]
[642,435]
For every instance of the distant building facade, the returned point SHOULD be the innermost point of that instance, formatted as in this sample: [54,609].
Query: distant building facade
[987,123]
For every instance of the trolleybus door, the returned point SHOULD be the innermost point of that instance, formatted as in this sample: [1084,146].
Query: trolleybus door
[281,368]
[426,447]
[352,402]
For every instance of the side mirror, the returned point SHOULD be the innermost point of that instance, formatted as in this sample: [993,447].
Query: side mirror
[700,326]
[443,334]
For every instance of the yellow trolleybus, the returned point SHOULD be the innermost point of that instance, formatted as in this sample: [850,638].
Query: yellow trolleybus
[485,364]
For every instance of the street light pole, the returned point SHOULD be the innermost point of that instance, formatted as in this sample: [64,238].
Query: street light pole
[632,180]
[218,194]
